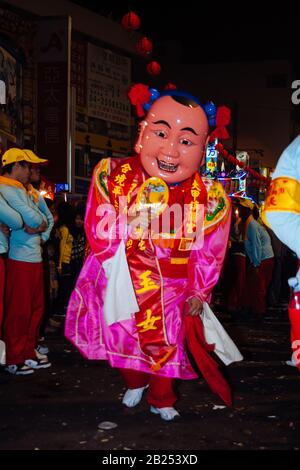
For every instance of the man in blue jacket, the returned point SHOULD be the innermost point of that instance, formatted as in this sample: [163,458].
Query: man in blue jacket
[9,219]
[24,296]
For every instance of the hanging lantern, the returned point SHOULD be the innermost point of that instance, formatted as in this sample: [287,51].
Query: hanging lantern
[144,46]
[153,68]
[131,21]
[170,86]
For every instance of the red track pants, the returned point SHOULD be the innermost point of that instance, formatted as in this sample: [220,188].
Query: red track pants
[24,304]
[2,283]
[160,392]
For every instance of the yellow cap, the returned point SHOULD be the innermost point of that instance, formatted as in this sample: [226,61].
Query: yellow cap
[33,158]
[246,203]
[14,155]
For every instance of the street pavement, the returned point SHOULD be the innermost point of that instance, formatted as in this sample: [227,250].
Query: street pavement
[64,407]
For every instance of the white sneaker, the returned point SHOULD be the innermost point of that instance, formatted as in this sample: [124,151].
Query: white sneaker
[291,363]
[133,396]
[19,369]
[168,413]
[38,363]
[40,355]
[42,349]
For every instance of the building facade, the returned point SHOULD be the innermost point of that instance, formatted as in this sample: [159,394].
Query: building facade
[66,73]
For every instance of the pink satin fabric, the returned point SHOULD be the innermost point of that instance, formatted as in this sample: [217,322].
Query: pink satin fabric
[118,343]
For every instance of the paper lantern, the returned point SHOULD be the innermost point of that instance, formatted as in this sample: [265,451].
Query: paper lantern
[153,68]
[170,86]
[131,21]
[144,46]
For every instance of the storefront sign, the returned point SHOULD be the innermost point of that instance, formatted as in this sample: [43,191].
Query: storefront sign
[109,77]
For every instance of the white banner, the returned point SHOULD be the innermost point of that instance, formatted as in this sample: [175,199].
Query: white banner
[109,78]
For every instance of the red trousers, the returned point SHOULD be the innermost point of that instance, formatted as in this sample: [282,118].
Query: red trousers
[160,392]
[258,281]
[24,304]
[2,283]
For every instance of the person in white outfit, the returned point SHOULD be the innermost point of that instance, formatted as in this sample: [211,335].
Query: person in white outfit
[282,206]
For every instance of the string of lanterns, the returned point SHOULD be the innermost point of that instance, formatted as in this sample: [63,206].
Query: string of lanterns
[131,22]
[257,179]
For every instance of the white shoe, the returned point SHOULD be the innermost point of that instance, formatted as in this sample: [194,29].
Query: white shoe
[40,355]
[38,363]
[42,349]
[133,396]
[21,369]
[291,363]
[167,413]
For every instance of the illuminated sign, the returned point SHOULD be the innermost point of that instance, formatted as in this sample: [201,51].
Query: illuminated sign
[211,160]
[59,187]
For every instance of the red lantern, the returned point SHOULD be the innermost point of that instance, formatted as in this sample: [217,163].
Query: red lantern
[153,68]
[131,21]
[170,86]
[144,46]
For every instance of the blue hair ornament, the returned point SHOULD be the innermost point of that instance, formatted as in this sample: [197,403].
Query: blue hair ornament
[210,108]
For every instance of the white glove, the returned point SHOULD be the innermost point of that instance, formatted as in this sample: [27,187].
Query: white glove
[294,282]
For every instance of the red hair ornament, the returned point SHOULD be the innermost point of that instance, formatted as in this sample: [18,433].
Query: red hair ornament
[138,95]
[222,120]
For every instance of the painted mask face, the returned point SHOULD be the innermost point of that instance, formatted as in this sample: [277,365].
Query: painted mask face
[172,140]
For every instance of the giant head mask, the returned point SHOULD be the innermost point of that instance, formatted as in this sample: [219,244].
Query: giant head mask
[172,138]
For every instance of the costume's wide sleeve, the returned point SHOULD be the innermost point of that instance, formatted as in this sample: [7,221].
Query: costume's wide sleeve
[101,227]
[286,226]
[282,207]
[205,263]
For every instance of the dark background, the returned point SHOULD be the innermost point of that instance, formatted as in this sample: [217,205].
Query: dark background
[212,32]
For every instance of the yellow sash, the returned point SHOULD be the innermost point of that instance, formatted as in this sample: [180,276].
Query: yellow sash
[283,196]
[12,182]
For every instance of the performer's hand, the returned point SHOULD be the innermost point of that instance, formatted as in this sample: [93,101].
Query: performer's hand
[195,306]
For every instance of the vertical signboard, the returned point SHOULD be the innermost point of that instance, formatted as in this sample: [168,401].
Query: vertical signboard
[109,77]
[53,102]
[211,160]
[9,113]
[78,71]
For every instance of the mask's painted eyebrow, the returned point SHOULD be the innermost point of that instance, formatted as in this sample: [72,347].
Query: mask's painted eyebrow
[162,122]
[190,129]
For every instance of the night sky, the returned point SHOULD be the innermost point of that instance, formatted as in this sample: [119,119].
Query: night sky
[215,33]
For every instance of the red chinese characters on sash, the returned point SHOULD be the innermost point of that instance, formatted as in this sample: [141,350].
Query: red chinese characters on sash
[143,264]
